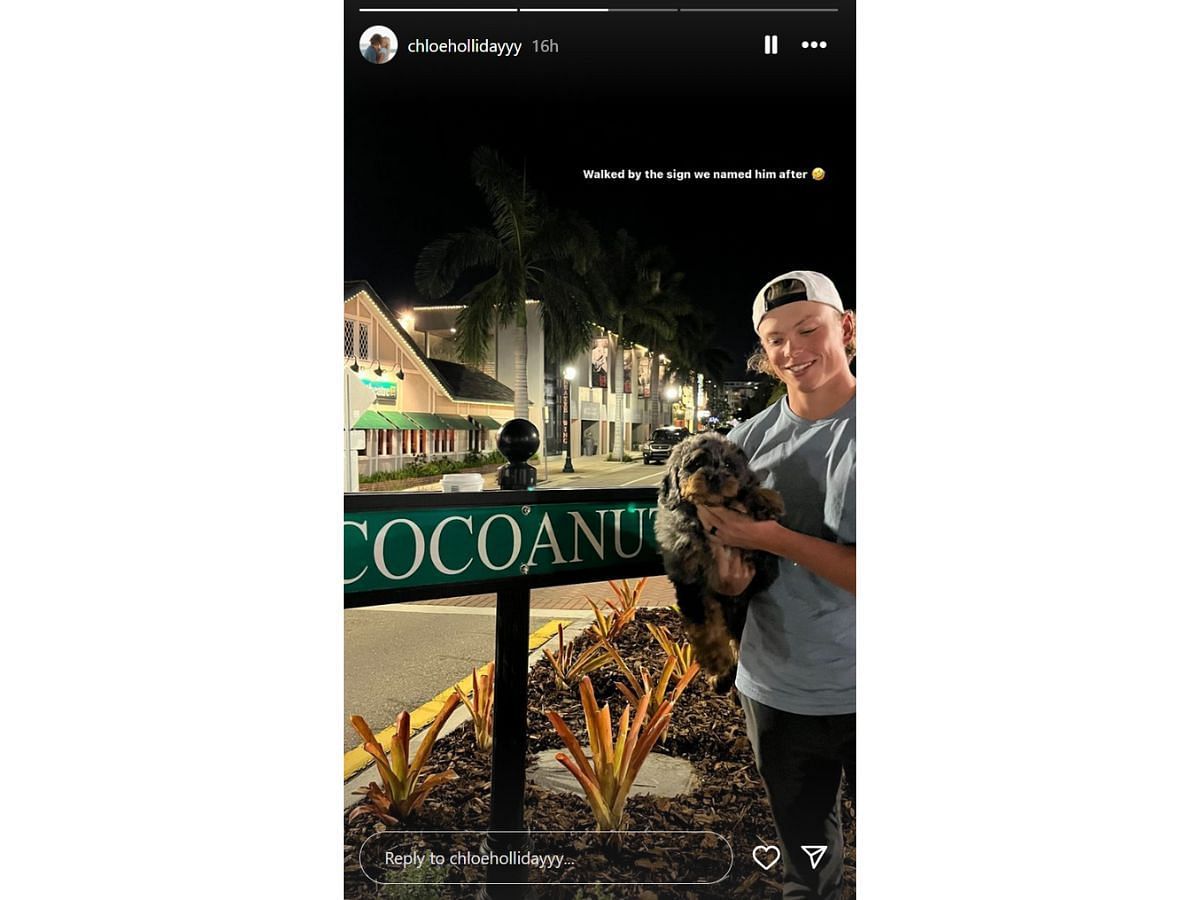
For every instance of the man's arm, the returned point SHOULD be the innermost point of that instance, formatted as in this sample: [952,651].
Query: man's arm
[833,562]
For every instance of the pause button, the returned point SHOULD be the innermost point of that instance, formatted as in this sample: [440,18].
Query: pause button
[771,44]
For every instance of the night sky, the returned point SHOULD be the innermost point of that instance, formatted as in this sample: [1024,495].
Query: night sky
[636,91]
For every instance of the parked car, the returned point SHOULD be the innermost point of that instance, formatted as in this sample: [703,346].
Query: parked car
[661,443]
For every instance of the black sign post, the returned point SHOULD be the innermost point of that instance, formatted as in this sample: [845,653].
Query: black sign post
[506,823]
[518,441]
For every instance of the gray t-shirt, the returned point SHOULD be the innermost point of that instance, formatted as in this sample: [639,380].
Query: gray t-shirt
[797,652]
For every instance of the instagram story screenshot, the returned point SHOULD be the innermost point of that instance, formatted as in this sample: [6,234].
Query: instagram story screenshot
[603,273]
[599,452]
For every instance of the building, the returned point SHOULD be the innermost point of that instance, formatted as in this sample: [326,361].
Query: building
[424,406]
[594,393]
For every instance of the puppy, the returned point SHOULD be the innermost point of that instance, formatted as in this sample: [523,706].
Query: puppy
[708,469]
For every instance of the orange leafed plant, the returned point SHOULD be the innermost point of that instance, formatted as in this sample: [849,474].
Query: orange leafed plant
[609,774]
[569,667]
[627,597]
[403,789]
[480,703]
[636,689]
[607,626]
[682,653]
[613,655]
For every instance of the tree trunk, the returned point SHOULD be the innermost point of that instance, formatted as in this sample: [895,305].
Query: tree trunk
[619,419]
[655,401]
[695,402]
[521,373]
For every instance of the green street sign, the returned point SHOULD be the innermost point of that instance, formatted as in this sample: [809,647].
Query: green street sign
[415,548]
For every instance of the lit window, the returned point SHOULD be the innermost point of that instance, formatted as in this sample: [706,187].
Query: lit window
[356,339]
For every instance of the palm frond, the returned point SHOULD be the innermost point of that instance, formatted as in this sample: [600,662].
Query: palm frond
[476,321]
[564,235]
[445,260]
[508,200]
[566,313]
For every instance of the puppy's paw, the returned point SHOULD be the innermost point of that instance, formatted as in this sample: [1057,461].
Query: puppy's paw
[723,683]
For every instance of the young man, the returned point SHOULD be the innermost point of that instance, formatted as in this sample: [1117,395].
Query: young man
[796,671]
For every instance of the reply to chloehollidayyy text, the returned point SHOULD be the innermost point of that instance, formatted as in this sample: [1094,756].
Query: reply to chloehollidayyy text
[474,858]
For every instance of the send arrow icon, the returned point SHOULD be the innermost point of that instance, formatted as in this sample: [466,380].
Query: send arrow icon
[815,852]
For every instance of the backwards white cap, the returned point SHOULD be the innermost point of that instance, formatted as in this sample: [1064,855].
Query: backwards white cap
[792,287]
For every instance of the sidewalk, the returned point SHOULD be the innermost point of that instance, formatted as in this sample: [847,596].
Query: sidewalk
[657,592]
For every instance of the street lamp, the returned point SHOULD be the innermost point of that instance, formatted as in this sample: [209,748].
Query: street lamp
[672,394]
[569,374]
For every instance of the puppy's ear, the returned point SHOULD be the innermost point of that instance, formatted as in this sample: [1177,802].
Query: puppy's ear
[664,491]
[668,491]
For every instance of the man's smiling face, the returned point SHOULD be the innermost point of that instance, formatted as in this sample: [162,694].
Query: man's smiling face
[805,343]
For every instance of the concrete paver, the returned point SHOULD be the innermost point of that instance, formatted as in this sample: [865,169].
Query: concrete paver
[660,775]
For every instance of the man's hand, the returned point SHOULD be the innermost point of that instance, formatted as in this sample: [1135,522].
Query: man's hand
[832,561]
[732,574]
[736,529]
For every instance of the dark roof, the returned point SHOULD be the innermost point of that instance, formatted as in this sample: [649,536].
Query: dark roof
[471,383]
[353,287]
[461,383]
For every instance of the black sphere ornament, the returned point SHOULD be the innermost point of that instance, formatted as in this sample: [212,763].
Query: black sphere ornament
[518,441]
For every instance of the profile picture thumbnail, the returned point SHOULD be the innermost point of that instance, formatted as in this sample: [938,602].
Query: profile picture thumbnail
[378,44]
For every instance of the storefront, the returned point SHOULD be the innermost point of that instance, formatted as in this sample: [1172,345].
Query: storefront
[423,407]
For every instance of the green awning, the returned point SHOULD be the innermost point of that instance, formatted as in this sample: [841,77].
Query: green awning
[456,422]
[427,420]
[372,419]
[400,421]
[486,422]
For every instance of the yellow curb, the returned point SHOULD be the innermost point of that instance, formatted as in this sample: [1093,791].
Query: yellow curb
[358,758]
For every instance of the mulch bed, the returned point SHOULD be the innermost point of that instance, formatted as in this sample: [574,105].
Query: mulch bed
[706,729]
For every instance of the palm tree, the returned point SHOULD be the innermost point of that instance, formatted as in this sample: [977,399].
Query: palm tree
[530,252]
[636,294]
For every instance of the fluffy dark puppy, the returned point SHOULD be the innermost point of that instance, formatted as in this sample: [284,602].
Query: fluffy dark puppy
[708,469]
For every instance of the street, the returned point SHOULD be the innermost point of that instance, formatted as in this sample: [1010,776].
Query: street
[596,472]
[399,656]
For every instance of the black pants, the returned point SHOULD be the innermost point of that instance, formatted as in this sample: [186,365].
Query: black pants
[801,760]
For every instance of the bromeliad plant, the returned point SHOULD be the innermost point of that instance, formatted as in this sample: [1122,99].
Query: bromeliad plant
[479,704]
[636,689]
[682,653]
[403,789]
[627,597]
[569,667]
[608,775]
[609,626]
[613,655]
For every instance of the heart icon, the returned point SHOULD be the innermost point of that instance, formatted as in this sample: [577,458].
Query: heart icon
[764,852]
